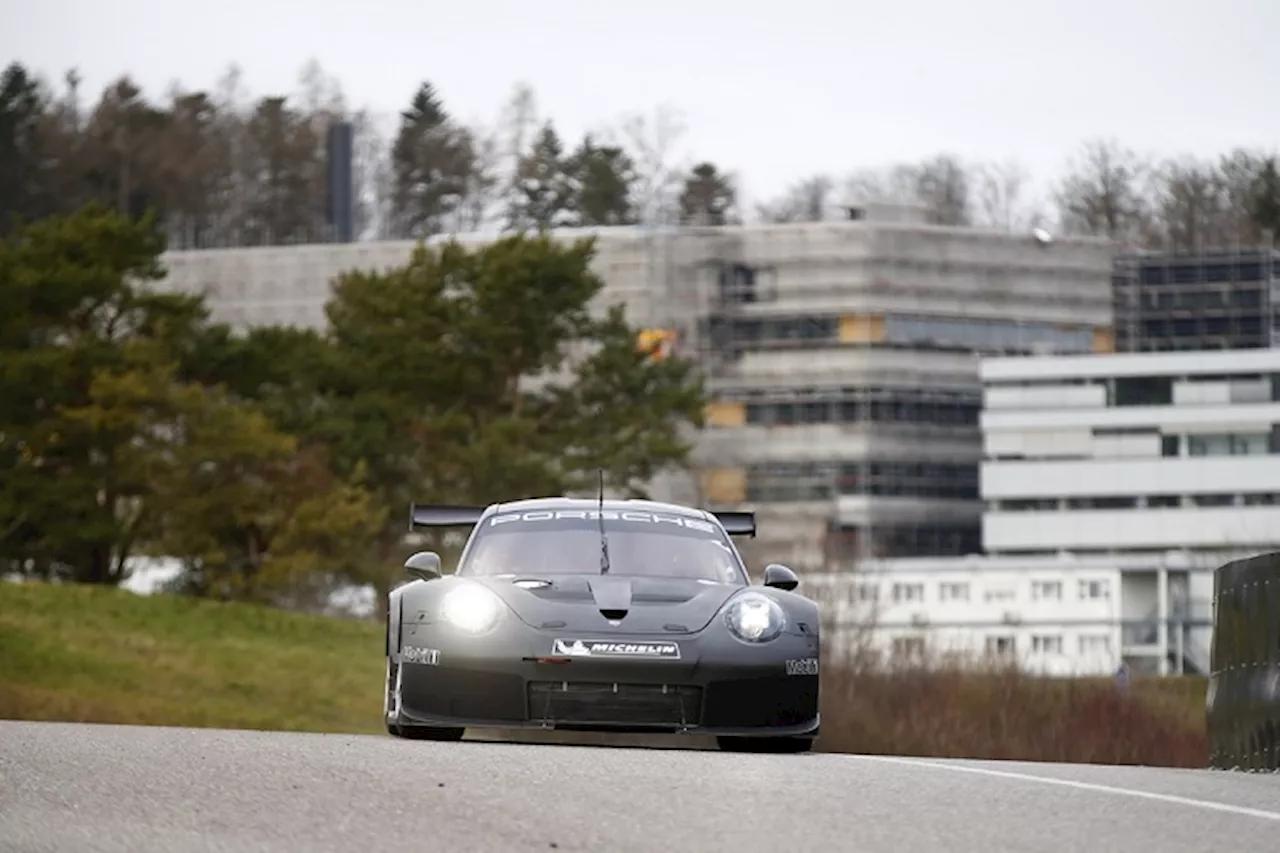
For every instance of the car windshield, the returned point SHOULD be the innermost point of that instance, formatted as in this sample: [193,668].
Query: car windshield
[568,542]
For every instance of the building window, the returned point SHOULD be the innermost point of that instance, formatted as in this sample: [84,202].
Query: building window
[749,333]
[1142,391]
[820,481]
[930,408]
[1024,505]
[908,648]
[864,592]
[1214,500]
[985,335]
[1000,593]
[1109,502]
[1000,646]
[905,592]
[1095,644]
[1046,644]
[953,592]
[1229,444]
[1046,590]
[1095,590]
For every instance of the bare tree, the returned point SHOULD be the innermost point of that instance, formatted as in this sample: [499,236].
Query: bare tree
[808,200]
[941,185]
[1190,207]
[1104,193]
[371,175]
[850,613]
[897,184]
[999,201]
[231,99]
[652,142]
[320,96]
[482,185]
[1242,175]
[195,170]
[517,127]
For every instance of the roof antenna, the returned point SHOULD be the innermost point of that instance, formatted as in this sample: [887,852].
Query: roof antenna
[604,540]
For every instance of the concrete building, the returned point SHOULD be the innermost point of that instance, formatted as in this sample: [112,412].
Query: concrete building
[1216,299]
[1113,486]
[1132,453]
[1062,614]
[844,361]
[842,356]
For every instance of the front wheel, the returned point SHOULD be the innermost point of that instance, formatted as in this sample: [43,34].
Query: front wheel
[391,712]
[765,744]
[424,732]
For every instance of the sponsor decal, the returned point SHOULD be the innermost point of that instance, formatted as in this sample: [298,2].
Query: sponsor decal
[419,654]
[614,515]
[613,649]
[802,666]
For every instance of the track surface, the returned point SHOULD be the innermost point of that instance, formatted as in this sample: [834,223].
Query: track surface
[115,788]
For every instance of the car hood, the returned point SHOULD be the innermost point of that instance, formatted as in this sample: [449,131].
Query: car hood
[612,604]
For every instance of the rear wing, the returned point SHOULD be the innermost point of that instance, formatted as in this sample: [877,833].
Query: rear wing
[737,523]
[423,516]
[443,515]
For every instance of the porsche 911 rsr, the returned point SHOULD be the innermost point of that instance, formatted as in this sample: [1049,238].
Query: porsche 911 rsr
[622,616]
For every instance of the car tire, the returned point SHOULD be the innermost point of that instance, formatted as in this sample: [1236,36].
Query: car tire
[391,710]
[424,732]
[765,744]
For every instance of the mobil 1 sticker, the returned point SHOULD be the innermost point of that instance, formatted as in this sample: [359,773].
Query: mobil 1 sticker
[642,650]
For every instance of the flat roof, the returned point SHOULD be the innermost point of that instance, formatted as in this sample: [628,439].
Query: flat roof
[1122,562]
[1108,365]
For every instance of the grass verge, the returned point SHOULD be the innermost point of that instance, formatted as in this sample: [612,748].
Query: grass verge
[85,654]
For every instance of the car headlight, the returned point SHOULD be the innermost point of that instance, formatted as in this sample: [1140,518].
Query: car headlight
[755,618]
[470,608]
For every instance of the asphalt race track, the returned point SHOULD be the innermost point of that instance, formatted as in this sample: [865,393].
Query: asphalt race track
[70,787]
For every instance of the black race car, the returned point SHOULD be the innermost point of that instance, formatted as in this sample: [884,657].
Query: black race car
[610,615]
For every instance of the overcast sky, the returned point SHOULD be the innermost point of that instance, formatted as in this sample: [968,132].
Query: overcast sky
[772,90]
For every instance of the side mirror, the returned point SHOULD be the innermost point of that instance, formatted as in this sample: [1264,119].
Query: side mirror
[780,577]
[424,565]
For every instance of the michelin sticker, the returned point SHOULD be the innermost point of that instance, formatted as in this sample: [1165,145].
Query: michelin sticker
[609,515]
[802,666]
[611,649]
[418,654]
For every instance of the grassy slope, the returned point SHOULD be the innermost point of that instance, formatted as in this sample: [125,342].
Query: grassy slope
[103,655]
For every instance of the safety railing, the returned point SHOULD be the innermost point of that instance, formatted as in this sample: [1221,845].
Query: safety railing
[1243,701]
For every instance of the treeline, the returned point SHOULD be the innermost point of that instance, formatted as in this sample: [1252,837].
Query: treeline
[224,168]
[280,463]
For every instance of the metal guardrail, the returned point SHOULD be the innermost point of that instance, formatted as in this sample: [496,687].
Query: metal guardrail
[1243,700]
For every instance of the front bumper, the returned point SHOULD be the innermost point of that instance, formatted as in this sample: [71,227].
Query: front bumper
[718,686]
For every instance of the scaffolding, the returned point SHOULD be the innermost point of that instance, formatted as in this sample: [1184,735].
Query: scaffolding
[857,335]
[1213,299]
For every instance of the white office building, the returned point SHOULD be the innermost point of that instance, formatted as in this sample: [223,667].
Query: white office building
[1060,615]
[1132,453]
[1113,486]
